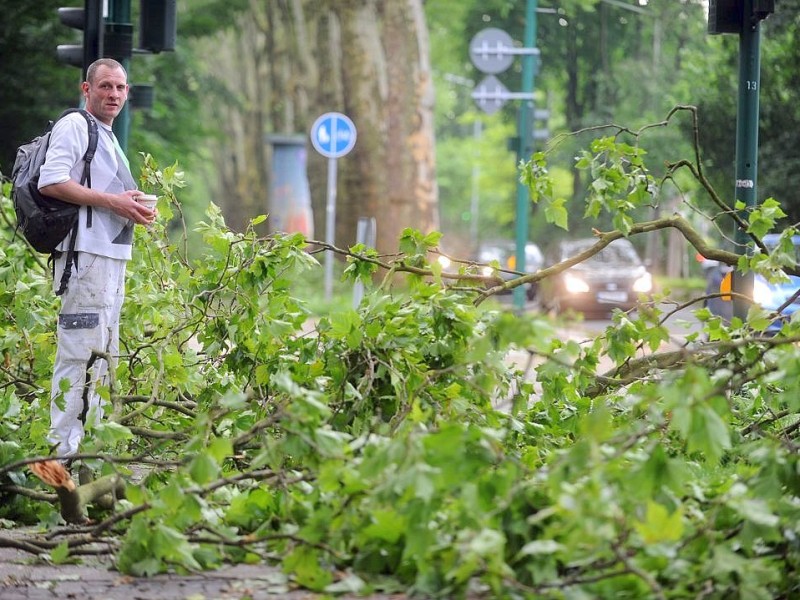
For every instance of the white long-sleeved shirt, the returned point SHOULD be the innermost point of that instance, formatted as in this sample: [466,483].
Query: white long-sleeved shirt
[106,233]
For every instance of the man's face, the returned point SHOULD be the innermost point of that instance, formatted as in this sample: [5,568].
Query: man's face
[106,95]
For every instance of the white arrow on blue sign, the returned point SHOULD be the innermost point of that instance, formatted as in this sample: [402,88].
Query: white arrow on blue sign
[333,135]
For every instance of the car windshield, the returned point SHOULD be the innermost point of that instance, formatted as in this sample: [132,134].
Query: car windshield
[619,252]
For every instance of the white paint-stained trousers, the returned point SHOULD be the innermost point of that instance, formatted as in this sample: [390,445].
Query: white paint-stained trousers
[89,320]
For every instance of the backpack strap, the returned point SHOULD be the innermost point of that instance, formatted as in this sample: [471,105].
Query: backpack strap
[67,272]
[86,179]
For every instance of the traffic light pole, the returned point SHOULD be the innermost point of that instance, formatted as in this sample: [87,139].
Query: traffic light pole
[524,149]
[747,143]
[119,13]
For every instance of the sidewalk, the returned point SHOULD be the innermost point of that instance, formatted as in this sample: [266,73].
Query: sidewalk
[23,576]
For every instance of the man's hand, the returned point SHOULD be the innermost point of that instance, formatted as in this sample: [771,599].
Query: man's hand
[126,205]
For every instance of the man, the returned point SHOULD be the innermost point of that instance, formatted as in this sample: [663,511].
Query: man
[91,305]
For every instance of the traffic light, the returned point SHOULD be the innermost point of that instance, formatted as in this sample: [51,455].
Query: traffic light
[728,16]
[118,41]
[157,25]
[89,19]
[763,8]
[725,16]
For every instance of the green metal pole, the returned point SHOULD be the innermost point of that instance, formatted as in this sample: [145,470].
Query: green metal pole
[747,142]
[525,148]
[119,11]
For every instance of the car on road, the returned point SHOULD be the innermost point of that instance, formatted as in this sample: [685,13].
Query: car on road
[499,257]
[772,296]
[613,278]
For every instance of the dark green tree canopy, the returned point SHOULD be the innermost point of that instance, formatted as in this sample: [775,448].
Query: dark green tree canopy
[34,86]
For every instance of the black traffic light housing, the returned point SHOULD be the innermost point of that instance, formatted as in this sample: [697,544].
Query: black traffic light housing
[763,8]
[728,16]
[157,32]
[89,19]
[158,21]
[141,96]
[118,41]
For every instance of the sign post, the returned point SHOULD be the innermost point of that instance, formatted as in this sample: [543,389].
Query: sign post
[332,135]
[492,51]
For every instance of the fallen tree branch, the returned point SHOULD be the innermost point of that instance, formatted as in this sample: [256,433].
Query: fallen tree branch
[25,544]
[156,402]
[28,493]
[74,499]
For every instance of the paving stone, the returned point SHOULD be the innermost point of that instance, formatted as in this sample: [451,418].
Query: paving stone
[25,577]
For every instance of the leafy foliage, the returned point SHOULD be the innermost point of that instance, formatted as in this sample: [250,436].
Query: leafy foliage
[34,86]
[392,446]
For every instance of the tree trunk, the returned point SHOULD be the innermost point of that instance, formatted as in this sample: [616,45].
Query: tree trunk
[411,200]
[293,60]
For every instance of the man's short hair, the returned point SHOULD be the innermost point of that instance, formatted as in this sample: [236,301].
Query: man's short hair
[100,62]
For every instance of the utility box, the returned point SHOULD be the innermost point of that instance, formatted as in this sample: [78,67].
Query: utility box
[725,16]
[158,25]
[289,202]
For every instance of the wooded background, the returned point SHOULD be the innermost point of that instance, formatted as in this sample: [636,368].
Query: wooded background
[400,69]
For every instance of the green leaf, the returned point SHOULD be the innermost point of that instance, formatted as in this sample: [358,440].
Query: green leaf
[203,468]
[546,547]
[386,525]
[623,222]
[556,212]
[659,525]
[109,433]
[304,564]
[755,510]
[488,542]
[763,217]
[60,553]
[349,584]
[219,449]
[708,433]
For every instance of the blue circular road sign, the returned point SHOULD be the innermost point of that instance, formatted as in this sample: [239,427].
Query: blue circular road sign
[333,135]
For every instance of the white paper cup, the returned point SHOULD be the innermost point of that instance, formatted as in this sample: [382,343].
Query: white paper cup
[149,200]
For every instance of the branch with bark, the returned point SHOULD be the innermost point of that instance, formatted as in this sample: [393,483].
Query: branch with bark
[74,499]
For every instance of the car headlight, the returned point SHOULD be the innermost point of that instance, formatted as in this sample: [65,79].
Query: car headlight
[487,271]
[644,284]
[575,285]
[762,294]
[444,261]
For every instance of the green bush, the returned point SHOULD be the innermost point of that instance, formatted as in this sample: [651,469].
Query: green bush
[393,447]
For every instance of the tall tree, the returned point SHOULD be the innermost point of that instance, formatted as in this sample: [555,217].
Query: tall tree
[289,61]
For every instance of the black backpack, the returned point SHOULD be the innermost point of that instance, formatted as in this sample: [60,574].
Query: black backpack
[46,221]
